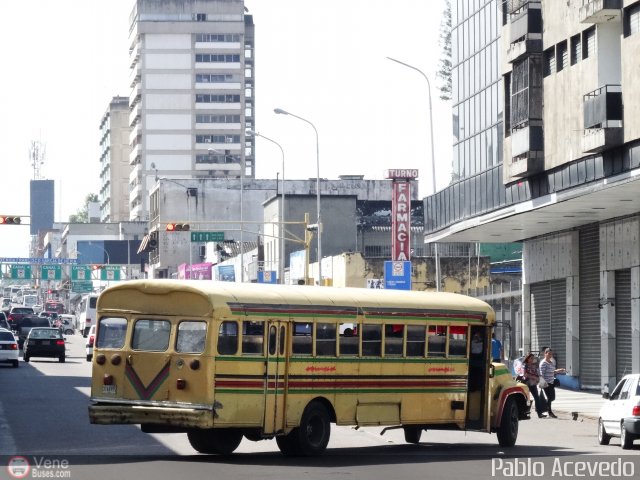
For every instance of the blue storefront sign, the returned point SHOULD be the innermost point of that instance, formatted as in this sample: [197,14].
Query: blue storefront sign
[397,275]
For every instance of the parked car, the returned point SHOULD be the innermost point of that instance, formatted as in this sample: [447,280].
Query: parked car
[91,339]
[8,348]
[16,314]
[25,325]
[44,342]
[620,414]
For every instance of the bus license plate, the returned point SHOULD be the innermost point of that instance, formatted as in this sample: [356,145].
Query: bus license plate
[110,389]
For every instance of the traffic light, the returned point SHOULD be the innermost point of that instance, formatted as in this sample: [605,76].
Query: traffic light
[178,227]
[153,240]
[10,220]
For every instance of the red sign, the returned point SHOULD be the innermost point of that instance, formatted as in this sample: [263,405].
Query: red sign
[401,221]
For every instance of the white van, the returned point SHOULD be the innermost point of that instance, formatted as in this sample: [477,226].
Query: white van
[88,315]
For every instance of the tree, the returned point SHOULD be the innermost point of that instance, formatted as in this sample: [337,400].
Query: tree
[444,68]
[82,215]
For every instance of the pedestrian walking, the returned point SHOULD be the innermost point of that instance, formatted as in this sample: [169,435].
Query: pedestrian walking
[532,377]
[547,373]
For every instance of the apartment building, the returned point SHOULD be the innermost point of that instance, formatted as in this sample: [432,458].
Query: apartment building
[567,184]
[192,80]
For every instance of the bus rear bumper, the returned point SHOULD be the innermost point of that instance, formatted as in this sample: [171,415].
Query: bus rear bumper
[135,414]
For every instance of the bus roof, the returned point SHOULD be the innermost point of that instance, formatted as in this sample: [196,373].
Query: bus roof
[200,297]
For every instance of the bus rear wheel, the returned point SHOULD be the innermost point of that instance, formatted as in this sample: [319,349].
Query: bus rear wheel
[215,441]
[508,430]
[312,436]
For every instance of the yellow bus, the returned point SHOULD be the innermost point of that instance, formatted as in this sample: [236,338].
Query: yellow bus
[221,361]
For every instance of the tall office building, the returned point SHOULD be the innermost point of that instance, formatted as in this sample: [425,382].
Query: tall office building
[114,161]
[192,99]
[570,169]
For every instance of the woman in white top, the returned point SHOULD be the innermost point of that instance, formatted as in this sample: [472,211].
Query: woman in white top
[548,371]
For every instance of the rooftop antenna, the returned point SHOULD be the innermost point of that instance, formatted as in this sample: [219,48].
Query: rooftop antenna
[36,158]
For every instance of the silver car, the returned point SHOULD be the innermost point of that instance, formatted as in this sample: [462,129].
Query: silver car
[620,415]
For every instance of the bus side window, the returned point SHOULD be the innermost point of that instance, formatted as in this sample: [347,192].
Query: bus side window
[372,340]
[326,339]
[228,338]
[415,340]
[349,339]
[457,341]
[302,337]
[437,335]
[393,339]
[253,337]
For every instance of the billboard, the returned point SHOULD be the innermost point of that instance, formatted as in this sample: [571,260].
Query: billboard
[401,221]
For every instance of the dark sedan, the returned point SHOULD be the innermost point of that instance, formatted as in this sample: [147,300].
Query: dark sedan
[44,342]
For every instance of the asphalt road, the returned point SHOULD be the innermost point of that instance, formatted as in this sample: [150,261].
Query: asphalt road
[43,417]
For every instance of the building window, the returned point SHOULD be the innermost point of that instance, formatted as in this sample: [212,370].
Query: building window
[549,62]
[562,56]
[576,48]
[217,118]
[212,37]
[211,78]
[212,98]
[589,42]
[632,20]
[201,17]
[217,138]
[213,58]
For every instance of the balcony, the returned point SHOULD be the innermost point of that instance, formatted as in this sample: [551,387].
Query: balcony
[527,23]
[603,119]
[523,48]
[600,11]
[527,151]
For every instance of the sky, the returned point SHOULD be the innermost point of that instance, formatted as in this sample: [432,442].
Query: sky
[323,60]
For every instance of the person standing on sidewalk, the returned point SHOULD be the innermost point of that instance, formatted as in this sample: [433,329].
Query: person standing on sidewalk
[497,352]
[548,372]
[532,378]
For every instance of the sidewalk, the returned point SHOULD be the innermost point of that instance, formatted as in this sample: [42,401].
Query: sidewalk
[586,403]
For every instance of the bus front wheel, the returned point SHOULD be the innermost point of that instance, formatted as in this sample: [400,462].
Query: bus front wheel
[508,430]
[215,441]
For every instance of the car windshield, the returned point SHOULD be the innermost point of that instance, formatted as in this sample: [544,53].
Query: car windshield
[47,333]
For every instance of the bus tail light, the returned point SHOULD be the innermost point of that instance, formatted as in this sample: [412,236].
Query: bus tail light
[181,384]
[107,379]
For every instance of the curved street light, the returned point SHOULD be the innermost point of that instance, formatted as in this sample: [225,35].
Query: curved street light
[433,158]
[280,111]
[281,263]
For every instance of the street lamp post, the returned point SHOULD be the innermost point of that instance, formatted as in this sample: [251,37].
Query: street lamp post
[433,157]
[227,155]
[281,263]
[319,221]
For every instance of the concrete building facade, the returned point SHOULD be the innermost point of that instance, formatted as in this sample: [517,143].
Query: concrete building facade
[114,161]
[570,168]
[192,78]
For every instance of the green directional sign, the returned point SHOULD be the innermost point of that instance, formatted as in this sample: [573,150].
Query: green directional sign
[82,286]
[51,272]
[110,272]
[21,272]
[80,272]
[207,236]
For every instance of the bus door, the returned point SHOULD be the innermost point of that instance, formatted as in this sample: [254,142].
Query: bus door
[477,380]
[275,377]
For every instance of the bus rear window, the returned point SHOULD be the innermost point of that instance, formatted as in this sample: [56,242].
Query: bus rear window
[151,335]
[111,332]
[191,336]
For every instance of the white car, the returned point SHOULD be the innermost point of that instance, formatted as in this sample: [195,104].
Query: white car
[67,323]
[91,338]
[8,348]
[620,414]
